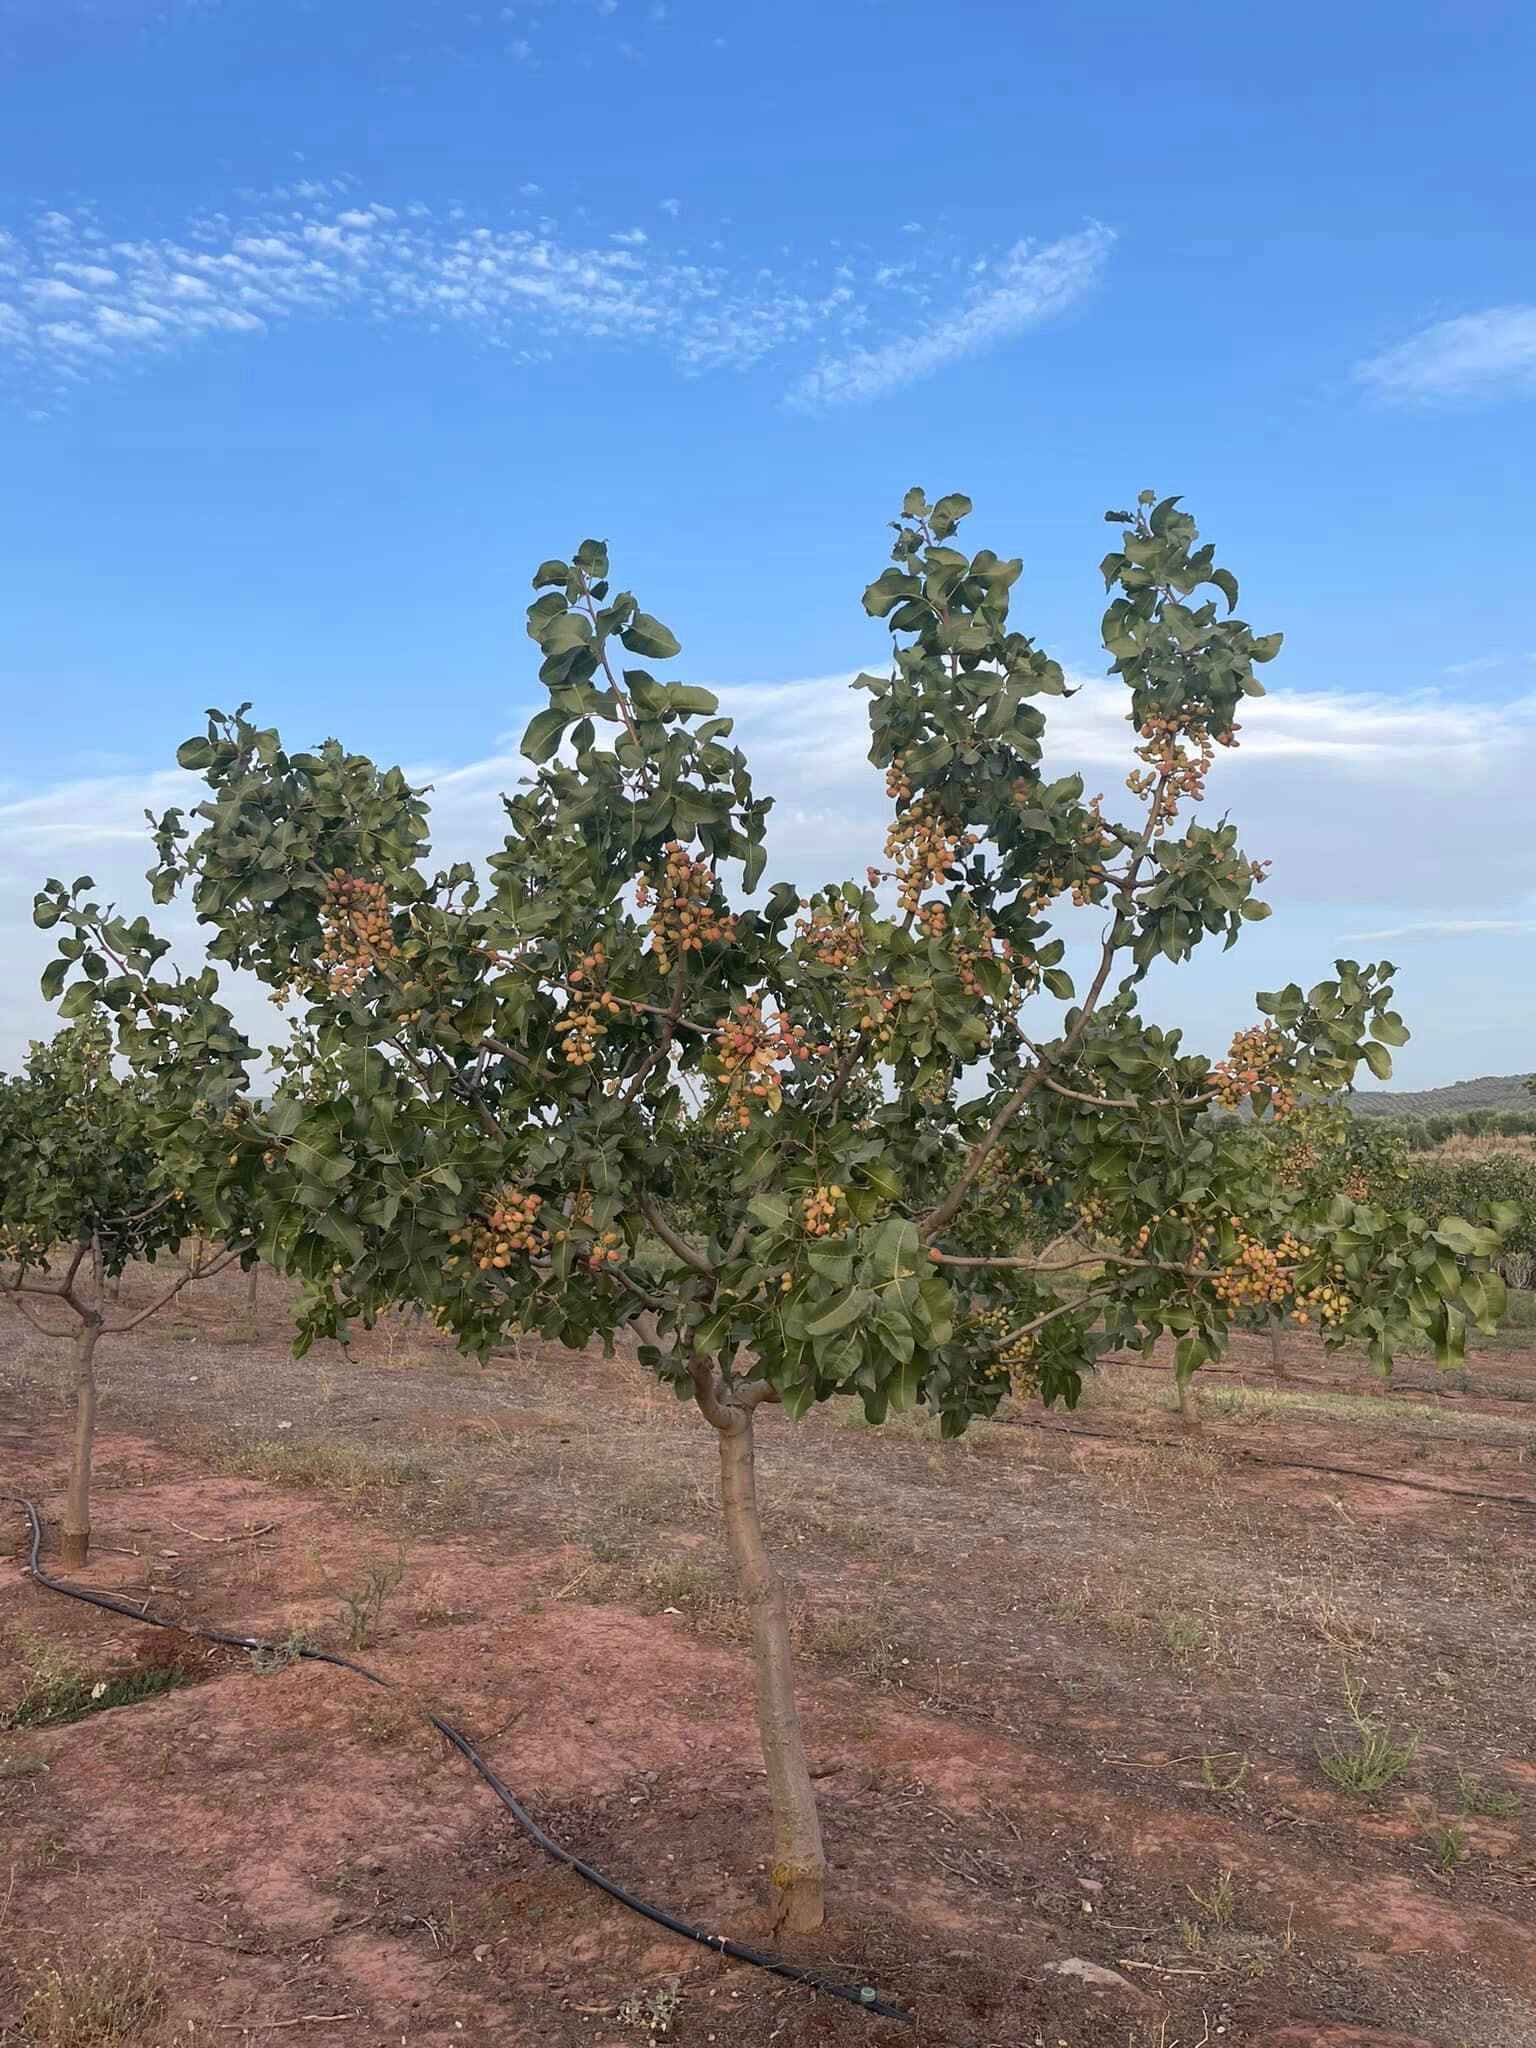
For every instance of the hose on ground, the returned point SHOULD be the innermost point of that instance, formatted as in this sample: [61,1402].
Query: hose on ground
[860,1996]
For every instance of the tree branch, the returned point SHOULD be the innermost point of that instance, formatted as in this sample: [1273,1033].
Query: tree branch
[676,1244]
[219,1265]
[945,1212]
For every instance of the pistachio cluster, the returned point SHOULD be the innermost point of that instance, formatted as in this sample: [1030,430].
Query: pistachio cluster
[822,1208]
[1178,753]
[1330,1301]
[680,896]
[580,1029]
[358,934]
[509,1225]
[1259,1276]
[1255,1060]
[750,1049]
[923,846]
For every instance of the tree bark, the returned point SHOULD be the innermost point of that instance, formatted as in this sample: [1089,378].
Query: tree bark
[799,1861]
[252,1280]
[1189,1413]
[77,1503]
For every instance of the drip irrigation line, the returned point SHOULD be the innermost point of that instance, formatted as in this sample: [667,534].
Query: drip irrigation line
[863,1997]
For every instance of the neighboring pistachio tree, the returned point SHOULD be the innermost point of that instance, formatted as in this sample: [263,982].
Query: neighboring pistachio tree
[86,1190]
[484,1104]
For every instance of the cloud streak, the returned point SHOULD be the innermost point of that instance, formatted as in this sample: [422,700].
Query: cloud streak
[1485,354]
[79,302]
[1026,286]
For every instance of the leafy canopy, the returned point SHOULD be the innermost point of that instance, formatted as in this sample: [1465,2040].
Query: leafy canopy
[78,1162]
[489,1097]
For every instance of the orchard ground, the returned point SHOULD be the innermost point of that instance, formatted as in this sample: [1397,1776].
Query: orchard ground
[1067,1684]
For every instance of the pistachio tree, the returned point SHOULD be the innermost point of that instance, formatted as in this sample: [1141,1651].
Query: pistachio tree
[487,1101]
[85,1190]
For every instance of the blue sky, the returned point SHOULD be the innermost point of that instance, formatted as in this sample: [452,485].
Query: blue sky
[321,324]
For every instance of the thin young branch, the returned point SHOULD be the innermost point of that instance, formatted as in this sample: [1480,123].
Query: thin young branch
[676,1244]
[1103,1258]
[1064,1308]
[945,1212]
[208,1272]
[655,1302]
[42,1329]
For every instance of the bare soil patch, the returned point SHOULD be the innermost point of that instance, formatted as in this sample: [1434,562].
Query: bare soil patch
[1067,1683]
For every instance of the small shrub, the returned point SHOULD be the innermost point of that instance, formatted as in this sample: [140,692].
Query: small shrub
[363,1605]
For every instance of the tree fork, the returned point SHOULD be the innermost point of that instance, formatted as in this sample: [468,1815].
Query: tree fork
[799,1860]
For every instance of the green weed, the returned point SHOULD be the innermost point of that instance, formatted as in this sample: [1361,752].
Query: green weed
[1372,1758]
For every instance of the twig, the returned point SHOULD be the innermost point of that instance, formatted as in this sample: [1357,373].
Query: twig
[303,2019]
[246,1536]
[1122,1763]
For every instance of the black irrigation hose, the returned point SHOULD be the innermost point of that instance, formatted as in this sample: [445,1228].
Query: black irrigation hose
[864,1998]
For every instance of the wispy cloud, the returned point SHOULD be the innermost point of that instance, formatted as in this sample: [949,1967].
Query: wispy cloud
[1477,354]
[1027,285]
[1450,928]
[79,301]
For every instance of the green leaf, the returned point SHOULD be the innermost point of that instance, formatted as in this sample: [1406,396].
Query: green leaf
[846,1310]
[1467,1240]
[1378,1059]
[1058,983]
[653,641]
[545,731]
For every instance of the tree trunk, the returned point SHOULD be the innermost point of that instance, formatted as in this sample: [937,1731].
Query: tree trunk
[1189,1414]
[252,1280]
[77,1503]
[799,1861]
[1276,1355]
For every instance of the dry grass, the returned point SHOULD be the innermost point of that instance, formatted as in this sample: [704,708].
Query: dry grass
[345,1469]
[82,2004]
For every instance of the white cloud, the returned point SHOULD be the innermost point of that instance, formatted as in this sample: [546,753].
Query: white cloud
[1477,666]
[1476,354]
[317,251]
[1027,286]
[1450,928]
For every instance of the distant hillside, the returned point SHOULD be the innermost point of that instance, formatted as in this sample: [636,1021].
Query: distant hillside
[1493,1091]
